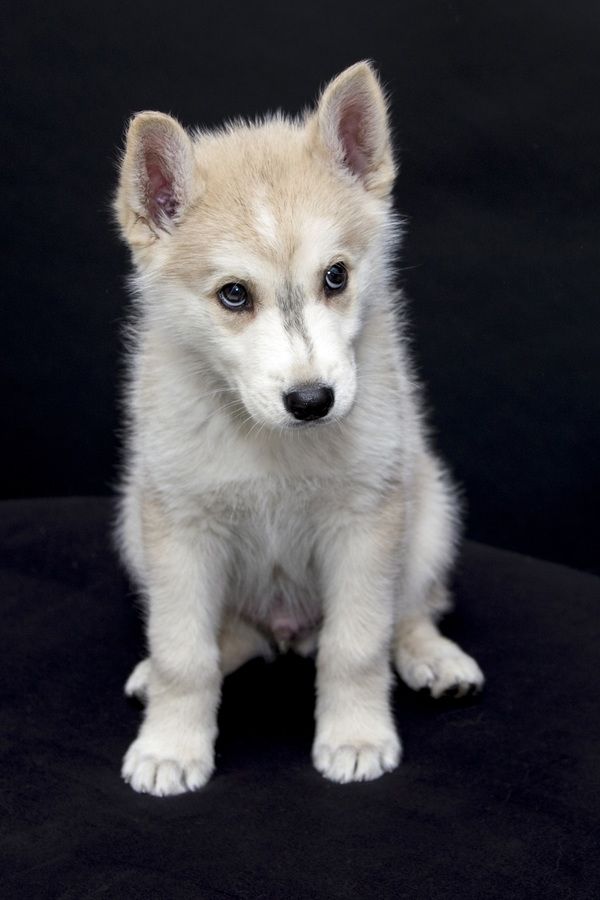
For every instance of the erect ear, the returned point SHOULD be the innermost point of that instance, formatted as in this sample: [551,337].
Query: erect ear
[352,127]
[158,178]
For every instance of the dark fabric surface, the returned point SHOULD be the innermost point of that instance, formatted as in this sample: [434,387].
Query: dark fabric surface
[497,797]
[495,111]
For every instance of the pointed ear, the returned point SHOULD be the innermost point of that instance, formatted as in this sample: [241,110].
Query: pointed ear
[352,127]
[157,180]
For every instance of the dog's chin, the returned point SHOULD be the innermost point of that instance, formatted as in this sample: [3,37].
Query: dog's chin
[288,423]
[284,425]
[298,425]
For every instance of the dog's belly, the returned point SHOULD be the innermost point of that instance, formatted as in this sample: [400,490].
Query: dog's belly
[287,623]
[275,584]
[285,611]
[287,608]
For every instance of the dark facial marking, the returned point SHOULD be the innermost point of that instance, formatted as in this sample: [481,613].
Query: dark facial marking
[290,301]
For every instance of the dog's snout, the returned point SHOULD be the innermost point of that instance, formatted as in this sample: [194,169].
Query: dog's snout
[309,401]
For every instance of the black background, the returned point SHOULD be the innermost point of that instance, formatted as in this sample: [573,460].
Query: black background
[495,110]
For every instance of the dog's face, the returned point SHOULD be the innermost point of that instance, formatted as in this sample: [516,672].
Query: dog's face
[255,246]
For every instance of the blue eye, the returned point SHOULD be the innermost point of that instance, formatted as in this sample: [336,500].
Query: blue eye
[234,296]
[335,278]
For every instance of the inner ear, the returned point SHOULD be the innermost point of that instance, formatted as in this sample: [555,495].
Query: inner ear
[158,179]
[164,170]
[162,198]
[353,130]
[354,138]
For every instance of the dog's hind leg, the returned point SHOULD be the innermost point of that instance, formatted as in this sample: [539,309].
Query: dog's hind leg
[239,642]
[426,660]
[423,657]
[137,683]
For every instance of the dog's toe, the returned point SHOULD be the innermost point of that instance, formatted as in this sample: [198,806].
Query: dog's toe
[451,673]
[356,761]
[149,773]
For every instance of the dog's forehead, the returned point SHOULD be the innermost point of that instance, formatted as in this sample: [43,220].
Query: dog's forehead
[291,234]
[269,230]
[269,208]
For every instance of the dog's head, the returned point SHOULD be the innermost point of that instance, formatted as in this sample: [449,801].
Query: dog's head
[259,247]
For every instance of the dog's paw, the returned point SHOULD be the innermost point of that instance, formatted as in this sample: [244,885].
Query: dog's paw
[164,773]
[137,683]
[443,669]
[356,760]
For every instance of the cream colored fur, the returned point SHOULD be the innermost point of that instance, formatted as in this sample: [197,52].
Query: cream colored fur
[238,523]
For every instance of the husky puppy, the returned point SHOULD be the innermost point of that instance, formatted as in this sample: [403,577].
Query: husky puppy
[279,491]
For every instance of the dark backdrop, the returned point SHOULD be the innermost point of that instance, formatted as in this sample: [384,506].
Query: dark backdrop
[495,107]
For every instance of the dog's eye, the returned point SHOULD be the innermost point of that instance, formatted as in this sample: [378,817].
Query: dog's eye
[336,277]
[234,296]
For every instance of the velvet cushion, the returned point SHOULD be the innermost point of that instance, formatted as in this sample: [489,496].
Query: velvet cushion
[496,796]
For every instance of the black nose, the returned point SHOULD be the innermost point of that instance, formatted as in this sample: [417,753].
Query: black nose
[309,401]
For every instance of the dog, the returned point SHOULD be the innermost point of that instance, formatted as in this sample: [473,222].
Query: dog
[278,492]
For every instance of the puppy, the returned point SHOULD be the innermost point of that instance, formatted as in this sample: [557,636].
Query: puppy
[279,491]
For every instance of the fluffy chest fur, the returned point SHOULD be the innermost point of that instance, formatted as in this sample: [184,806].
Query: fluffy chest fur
[272,498]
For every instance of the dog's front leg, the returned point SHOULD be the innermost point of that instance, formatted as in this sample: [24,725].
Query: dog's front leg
[356,738]
[174,751]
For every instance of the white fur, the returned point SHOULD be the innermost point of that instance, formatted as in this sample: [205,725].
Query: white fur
[244,529]
[265,221]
